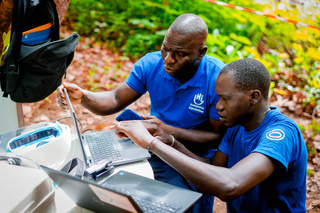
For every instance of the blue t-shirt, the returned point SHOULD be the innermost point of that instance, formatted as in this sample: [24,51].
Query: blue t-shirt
[278,137]
[188,105]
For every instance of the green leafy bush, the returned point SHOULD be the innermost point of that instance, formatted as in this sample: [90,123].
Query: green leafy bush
[134,27]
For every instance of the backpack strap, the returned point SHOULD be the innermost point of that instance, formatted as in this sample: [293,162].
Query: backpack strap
[72,164]
[11,60]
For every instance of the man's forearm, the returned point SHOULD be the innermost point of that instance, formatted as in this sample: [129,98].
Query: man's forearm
[194,135]
[100,103]
[109,102]
[181,148]
[208,178]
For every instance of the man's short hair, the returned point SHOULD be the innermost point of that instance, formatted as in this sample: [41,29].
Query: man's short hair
[249,74]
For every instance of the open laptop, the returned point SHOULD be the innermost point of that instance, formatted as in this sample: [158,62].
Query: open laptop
[124,192]
[106,145]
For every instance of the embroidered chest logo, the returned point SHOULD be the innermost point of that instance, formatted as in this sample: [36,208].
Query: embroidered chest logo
[197,104]
[276,134]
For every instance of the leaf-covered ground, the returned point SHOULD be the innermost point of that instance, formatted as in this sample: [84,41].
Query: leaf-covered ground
[96,68]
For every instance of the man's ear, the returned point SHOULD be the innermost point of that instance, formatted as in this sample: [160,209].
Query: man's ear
[255,97]
[202,52]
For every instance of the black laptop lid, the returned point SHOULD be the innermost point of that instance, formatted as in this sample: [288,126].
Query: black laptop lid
[90,195]
[103,197]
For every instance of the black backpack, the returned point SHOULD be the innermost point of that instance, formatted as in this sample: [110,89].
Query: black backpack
[35,62]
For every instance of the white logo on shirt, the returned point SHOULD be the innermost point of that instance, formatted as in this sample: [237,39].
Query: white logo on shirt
[198,99]
[197,102]
[276,134]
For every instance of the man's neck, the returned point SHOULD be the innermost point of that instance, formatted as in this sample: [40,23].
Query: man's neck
[257,118]
[186,76]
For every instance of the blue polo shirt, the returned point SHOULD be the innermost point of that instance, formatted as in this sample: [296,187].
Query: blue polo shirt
[188,105]
[277,137]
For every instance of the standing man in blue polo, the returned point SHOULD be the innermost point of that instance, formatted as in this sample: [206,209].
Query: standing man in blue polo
[180,80]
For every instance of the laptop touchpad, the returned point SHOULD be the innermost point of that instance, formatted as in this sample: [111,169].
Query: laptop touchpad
[153,189]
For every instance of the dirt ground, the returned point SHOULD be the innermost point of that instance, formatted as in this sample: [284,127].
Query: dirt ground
[86,58]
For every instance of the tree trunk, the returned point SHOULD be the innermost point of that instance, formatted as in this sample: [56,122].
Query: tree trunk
[62,7]
[6,7]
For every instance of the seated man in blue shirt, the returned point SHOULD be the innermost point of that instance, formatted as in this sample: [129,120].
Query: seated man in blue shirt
[261,163]
[180,80]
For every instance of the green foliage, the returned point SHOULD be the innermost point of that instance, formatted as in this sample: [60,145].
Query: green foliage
[137,27]
[310,173]
[134,27]
[314,127]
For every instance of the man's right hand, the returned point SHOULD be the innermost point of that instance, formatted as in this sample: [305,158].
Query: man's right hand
[75,94]
[155,130]
[136,131]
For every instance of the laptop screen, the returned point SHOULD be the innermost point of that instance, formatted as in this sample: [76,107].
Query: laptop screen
[85,149]
[73,116]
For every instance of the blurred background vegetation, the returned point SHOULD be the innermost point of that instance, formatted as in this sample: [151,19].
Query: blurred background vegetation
[291,53]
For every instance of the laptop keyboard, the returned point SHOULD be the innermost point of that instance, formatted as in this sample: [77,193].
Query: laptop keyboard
[145,204]
[103,147]
[154,206]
